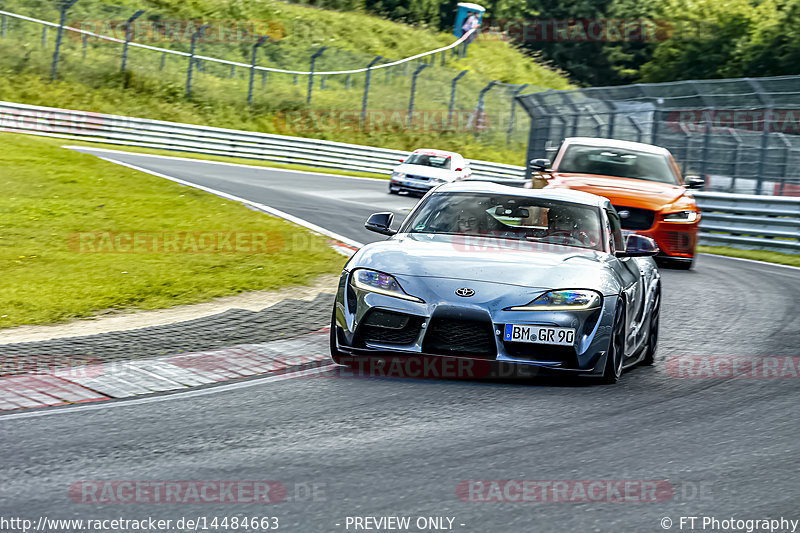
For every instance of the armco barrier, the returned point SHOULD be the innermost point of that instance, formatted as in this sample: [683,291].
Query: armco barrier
[131,131]
[740,221]
[750,221]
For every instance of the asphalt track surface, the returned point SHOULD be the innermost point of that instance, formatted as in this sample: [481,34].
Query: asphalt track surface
[400,447]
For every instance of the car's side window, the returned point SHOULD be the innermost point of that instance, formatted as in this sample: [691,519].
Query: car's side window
[617,243]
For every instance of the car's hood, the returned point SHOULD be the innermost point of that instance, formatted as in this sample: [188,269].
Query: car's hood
[621,191]
[422,170]
[466,258]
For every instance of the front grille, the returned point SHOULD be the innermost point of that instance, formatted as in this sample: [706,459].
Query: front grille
[637,219]
[414,176]
[453,336]
[676,242]
[388,327]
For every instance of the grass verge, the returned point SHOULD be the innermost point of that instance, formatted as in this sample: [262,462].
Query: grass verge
[757,255]
[54,198]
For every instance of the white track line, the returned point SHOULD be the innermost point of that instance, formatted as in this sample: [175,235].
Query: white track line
[123,402]
[756,261]
[210,162]
[261,207]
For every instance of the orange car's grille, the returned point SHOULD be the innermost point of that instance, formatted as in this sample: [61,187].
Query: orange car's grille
[635,218]
[676,242]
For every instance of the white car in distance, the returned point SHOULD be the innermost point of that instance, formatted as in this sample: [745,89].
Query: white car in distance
[424,169]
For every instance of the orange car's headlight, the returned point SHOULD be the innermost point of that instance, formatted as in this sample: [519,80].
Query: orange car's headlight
[686,216]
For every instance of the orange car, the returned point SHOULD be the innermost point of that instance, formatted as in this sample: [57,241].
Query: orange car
[642,181]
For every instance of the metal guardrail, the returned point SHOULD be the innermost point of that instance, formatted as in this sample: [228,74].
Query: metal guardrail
[740,221]
[159,134]
[750,221]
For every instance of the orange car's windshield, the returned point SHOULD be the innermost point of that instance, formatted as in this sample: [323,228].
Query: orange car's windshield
[617,162]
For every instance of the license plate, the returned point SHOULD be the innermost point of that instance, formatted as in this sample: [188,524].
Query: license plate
[540,334]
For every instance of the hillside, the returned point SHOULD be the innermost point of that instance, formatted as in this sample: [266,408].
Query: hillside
[154,89]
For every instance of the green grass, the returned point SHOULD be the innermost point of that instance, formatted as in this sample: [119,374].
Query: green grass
[50,194]
[758,255]
[95,84]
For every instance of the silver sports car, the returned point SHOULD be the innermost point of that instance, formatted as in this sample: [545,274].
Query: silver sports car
[544,278]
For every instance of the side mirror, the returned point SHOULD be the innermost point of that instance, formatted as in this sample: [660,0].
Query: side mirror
[540,165]
[638,246]
[380,223]
[459,169]
[694,182]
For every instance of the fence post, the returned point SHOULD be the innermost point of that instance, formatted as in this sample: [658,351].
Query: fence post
[128,34]
[787,148]
[233,71]
[264,76]
[413,90]
[163,60]
[444,57]
[636,126]
[65,5]
[3,26]
[44,36]
[261,40]
[311,75]
[452,105]
[481,104]
[85,40]
[739,143]
[347,83]
[367,78]
[513,108]
[195,35]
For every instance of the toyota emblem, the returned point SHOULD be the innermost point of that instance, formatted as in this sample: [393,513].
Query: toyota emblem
[624,214]
[465,292]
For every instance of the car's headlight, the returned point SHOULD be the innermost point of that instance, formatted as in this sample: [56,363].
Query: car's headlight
[563,300]
[398,174]
[378,282]
[681,216]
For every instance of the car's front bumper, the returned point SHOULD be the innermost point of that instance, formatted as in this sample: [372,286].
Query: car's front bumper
[412,185]
[674,239]
[449,326]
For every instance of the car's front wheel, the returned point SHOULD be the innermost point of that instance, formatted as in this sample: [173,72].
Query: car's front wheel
[652,336]
[393,190]
[616,348]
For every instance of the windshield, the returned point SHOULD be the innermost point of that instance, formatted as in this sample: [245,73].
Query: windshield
[617,162]
[429,160]
[509,217]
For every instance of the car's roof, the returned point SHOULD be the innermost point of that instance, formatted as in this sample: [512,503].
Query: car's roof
[437,152]
[564,195]
[616,143]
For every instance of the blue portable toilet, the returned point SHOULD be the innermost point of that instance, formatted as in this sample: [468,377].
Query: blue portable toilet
[464,9]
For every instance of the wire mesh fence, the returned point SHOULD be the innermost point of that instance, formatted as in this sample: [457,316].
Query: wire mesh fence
[425,95]
[743,135]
